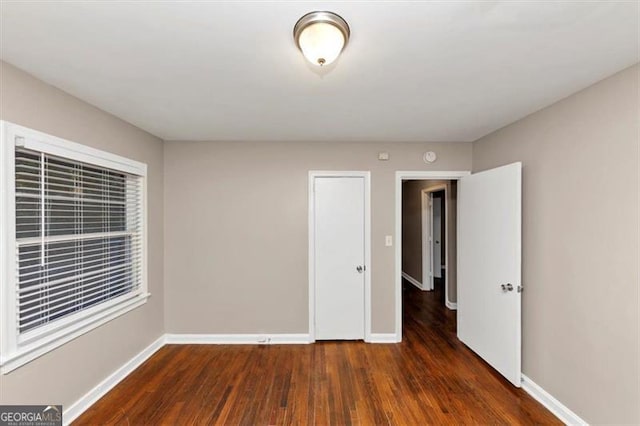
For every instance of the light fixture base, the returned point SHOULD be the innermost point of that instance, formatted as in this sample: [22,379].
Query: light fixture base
[323,36]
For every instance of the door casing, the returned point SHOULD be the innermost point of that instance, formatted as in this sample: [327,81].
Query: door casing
[400,176]
[366,175]
[427,220]
[436,234]
[427,239]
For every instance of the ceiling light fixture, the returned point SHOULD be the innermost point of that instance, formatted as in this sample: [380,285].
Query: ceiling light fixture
[321,36]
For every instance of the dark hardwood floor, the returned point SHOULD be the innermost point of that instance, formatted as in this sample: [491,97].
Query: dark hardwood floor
[430,378]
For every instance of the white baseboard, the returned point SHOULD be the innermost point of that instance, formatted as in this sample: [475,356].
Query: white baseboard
[451,305]
[79,407]
[383,338]
[412,280]
[238,339]
[567,416]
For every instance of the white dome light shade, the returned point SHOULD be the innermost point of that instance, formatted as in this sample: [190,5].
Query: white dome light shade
[321,43]
[321,36]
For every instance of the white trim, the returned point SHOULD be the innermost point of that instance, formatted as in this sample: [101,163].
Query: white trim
[81,405]
[400,176]
[15,349]
[145,234]
[85,402]
[42,346]
[366,175]
[312,256]
[53,145]
[7,238]
[412,280]
[428,274]
[558,409]
[383,338]
[426,231]
[238,339]
[367,256]
[446,188]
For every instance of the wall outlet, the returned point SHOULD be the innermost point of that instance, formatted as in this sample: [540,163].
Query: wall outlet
[388,240]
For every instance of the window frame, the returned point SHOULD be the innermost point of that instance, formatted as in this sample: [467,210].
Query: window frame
[18,349]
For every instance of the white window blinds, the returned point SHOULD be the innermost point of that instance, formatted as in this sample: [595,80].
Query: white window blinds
[78,230]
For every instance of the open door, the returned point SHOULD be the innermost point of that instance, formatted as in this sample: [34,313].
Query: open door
[427,240]
[437,212]
[489,267]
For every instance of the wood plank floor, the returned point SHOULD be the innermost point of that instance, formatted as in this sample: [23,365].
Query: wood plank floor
[430,378]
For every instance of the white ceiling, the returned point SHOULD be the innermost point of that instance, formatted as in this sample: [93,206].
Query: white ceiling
[428,71]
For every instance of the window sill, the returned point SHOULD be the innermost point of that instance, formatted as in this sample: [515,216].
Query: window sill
[36,349]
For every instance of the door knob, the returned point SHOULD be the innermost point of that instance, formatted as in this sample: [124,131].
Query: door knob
[506,287]
[359,269]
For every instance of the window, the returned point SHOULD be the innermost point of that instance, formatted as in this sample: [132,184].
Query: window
[74,240]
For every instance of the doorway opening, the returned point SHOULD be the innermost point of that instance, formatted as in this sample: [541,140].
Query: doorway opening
[414,252]
[488,268]
[429,251]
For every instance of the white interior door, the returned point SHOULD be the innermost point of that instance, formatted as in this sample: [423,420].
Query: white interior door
[427,240]
[437,237]
[489,267]
[339,214]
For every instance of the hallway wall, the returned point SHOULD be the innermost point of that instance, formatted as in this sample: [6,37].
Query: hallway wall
[412,229]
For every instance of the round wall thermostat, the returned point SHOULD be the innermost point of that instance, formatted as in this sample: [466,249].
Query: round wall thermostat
[430,157]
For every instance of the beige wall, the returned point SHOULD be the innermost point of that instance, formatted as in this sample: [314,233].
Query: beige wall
[412,229]
[580,245]
[235,239]
[236,229]
[67,373]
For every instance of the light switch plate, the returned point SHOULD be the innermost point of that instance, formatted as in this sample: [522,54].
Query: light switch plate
[388,240]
